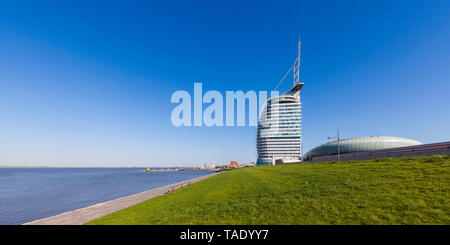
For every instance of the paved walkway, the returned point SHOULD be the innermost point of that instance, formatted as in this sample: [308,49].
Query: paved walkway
[83,215]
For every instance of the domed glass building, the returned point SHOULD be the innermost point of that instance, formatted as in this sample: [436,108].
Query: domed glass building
[359,145]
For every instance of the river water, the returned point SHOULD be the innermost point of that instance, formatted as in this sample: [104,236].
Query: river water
[28,194]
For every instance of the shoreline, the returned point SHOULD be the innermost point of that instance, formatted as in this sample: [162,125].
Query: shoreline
[83,215]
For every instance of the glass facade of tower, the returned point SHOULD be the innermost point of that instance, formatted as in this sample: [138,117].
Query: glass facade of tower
[279,135]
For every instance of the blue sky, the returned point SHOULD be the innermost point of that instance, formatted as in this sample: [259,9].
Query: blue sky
[89,84]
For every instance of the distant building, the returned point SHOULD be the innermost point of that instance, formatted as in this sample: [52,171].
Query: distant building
[234,164]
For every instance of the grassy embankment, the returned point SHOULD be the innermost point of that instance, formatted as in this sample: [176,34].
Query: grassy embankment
[385,191]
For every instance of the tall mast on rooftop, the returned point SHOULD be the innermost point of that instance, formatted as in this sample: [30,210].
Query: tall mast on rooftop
[297,65]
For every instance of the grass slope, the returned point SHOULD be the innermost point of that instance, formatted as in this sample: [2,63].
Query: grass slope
[382,191]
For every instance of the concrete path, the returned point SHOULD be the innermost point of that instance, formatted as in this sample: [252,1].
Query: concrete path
[83,215]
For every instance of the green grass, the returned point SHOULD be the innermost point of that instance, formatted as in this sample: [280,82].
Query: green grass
[382,191]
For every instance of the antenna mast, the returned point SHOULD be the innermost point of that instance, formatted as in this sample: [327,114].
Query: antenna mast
[295,68]
[297,65]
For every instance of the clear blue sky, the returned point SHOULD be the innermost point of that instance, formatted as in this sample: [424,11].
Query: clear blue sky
[89,84]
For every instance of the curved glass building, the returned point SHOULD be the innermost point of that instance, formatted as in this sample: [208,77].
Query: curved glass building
[279,135]
[359,145]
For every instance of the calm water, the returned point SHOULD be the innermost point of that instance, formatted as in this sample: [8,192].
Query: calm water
[28,194]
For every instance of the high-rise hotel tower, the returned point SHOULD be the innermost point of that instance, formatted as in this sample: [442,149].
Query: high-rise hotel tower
[279,134]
